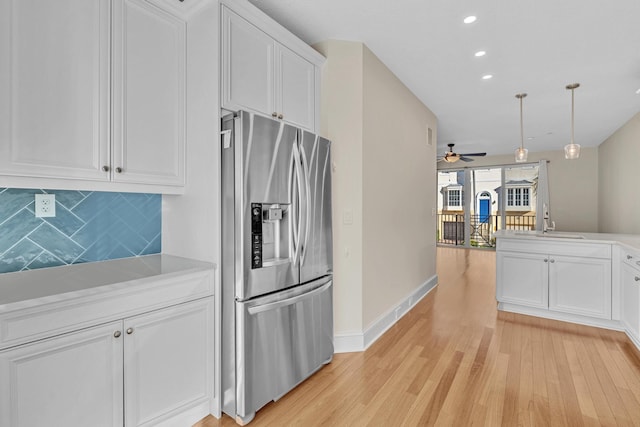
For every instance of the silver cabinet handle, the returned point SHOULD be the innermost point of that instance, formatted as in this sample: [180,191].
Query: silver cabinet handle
[118,170]
[129,331]
[274,114]
[280,116]
[637,279]
[118,333]
[552,260]
[105,168]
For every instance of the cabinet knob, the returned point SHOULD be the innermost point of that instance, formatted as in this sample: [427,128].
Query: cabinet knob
[117,334]
[105,168]
[274,114]
[546,260]
[629,257]
[637,279]
[118,170]
[552,260]
[280,116]
[129,331]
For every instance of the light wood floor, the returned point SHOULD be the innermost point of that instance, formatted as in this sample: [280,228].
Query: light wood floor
[454,360]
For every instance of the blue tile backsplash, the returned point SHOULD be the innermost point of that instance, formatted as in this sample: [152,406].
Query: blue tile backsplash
[88,226]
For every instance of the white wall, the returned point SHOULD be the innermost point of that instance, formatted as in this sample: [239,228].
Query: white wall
[341,121]
[399,185]
[573,186]
[384,179]
[619,199]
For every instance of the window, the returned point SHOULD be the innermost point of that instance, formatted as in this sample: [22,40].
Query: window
[517,197]
[455,197]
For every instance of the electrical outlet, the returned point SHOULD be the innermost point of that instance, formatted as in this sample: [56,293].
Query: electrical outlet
[45,205]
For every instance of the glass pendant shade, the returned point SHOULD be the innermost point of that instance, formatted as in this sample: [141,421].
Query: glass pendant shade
[521,154]
[571,151]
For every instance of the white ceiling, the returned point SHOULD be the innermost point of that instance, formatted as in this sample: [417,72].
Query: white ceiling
[533,46]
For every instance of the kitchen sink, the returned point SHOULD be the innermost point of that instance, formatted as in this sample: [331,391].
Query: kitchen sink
[552,235]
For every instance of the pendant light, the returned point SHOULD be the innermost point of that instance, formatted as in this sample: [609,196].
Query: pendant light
[521,152]
[572,150]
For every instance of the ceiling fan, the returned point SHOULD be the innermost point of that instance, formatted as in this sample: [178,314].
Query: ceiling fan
[451,157]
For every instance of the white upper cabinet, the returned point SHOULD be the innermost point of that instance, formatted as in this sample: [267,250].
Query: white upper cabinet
[93,90]
[267,70]
[296,86]
[149,85]
[247,66]
[54,88]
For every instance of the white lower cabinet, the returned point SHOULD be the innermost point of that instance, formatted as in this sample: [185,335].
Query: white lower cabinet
[580,286]
[148,370]
[167,355]
[71,380]
[522,279]
[571,278]
[630,307]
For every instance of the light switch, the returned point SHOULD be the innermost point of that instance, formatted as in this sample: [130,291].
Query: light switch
[347,217]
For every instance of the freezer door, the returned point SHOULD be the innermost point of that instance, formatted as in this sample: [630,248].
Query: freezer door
[316,230]
[281,340]
[265,210]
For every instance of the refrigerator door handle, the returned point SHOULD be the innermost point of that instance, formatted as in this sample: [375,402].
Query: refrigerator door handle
[296,215]
[288,301]
[307,224]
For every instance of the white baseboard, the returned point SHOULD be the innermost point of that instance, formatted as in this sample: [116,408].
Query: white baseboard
[360,341]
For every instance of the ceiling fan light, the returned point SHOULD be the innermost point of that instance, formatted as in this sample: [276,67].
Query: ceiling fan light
[451,158]
[521,154]
[571,151]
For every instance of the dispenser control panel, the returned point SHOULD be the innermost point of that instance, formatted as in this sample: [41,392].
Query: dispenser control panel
[256,235]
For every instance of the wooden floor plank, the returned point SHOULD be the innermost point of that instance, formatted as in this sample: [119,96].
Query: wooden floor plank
[454,360]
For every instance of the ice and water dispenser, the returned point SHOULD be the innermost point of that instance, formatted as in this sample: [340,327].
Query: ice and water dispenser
[271,243]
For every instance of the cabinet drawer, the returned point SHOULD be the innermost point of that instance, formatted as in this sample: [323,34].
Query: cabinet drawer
[68,314]
[631,258]
[542,246]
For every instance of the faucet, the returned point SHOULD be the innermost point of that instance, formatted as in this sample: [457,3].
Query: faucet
[545,220]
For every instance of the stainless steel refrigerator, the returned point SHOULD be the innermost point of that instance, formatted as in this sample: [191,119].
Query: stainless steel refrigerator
[277,264]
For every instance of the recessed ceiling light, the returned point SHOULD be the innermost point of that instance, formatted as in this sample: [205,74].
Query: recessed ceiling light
[469,19]
[480,53]
[487,77]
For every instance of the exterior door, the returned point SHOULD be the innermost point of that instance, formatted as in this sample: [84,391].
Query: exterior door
[485,205]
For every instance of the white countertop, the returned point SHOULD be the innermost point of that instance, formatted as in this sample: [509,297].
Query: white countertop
[27,288]
[632,241]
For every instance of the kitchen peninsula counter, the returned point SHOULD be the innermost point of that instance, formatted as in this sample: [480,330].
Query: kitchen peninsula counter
[586,278]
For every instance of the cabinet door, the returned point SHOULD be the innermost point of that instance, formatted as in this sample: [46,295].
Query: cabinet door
[149,57]
[71,380]
[54,88]
[580,286]
[295,85]
[247,66]
[630,310]
[522,279]
[168,365]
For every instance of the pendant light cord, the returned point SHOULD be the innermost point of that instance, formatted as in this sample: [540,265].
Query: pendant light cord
[572,113]
[521,126]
